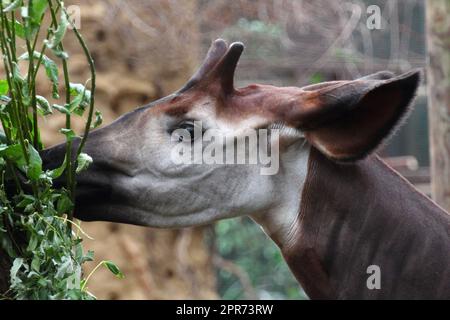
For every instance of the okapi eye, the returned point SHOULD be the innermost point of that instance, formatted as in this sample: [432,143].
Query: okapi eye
[189,127]
[187,130]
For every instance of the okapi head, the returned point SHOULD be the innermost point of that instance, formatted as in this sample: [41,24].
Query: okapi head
[134,179]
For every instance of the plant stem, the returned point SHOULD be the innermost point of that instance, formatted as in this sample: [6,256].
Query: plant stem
[91,273]
[70,172]
[12,57]
[93,77]
[32,94]
[87,128]
[12,90]
[31,77]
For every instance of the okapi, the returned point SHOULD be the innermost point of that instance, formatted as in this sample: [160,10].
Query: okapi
[334,208]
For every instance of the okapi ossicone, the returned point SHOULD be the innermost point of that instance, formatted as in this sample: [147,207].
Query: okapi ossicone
[334,208]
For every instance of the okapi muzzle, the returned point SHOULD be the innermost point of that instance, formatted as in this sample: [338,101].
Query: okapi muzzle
[334,208]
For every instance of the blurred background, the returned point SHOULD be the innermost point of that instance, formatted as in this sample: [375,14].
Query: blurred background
[146,49]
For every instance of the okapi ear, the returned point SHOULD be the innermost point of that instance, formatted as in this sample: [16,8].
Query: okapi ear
[381,75]
[349,119]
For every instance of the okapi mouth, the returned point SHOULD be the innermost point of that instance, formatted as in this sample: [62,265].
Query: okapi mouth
[98,192]
[97,187]
[90,195]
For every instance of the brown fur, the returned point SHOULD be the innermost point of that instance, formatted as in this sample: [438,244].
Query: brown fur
[362,214]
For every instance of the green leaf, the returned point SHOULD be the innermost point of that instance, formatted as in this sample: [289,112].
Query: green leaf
[27,199]
[64,204]
[59,33]
[29,208]
[15,154]
[61,109]
[37,9]
[32,15]
[75,103]
[13,6]
[51,70]
[69,133]
[82,258]
[89,256]
[114,269]
[17,77]
[78,251]
[83,284]
[19,29]
[79,110]
[82,98]
[26,99]
[64,268]
[8,246]
[36,263]
[56,173]
[43,282]
[35,163]
[60,54]
[4,88]
[18,262]
[83,160]
[98,119]
[43,106]
[32,244]
[76,88]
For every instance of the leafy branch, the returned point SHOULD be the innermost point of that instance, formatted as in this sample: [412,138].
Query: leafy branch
[35,217]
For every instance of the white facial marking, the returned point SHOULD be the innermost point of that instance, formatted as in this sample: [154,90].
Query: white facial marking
[279,222]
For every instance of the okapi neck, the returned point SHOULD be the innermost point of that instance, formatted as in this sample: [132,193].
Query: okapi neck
[356,215]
